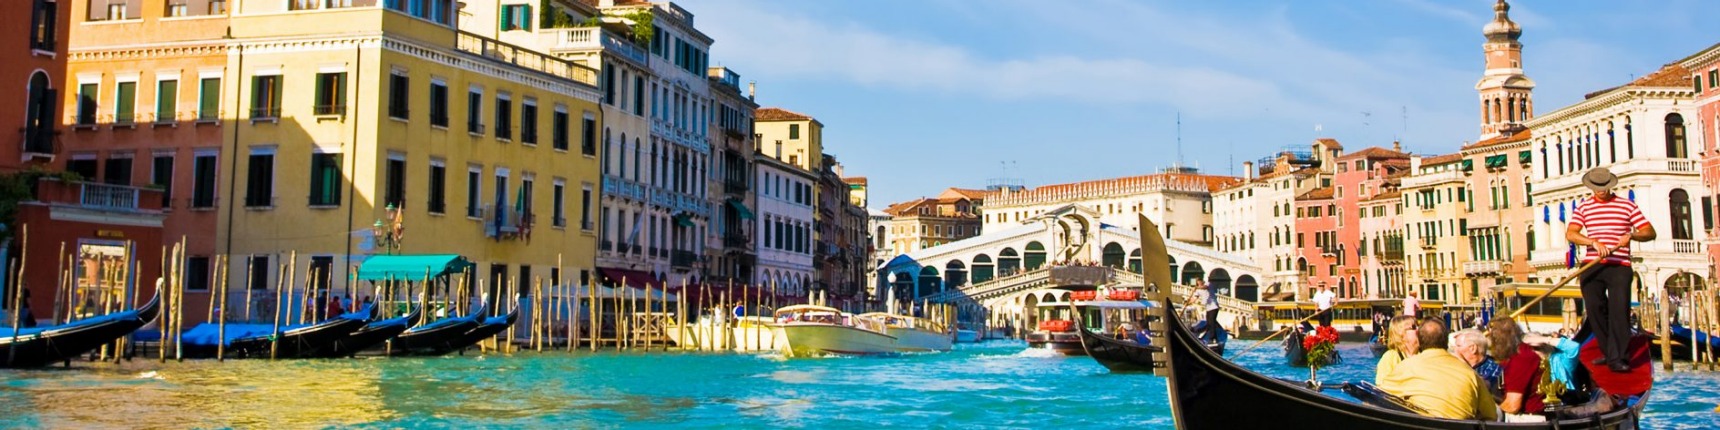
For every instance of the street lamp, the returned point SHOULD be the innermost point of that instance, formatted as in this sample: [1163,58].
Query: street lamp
[388,231]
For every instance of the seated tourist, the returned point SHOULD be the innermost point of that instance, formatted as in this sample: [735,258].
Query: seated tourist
[1522,368]
[1437,382]
[1471,346]
[1400,339]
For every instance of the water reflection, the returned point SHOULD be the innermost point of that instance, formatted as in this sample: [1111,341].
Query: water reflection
[991,385]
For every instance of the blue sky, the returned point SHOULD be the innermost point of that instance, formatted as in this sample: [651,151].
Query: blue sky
[919,95]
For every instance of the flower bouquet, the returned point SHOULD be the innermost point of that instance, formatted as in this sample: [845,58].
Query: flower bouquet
[1322,349]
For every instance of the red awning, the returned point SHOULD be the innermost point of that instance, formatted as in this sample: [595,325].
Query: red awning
[628,277]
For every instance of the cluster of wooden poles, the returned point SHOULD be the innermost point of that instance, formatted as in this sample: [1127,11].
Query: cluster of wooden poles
[1700,312]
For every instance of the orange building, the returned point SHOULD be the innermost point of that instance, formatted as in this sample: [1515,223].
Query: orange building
[33,40]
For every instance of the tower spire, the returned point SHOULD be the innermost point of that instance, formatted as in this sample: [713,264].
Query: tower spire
[1504,90]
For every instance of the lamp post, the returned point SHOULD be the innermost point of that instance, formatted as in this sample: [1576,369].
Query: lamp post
[388,231]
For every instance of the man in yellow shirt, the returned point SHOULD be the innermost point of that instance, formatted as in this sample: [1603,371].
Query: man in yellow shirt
[1438,382]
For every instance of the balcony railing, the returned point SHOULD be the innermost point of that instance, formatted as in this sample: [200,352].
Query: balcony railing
[107,196]
[680,258]
[593,38]
[1429,243]
[1680,246]
[526,58]
[1482,267]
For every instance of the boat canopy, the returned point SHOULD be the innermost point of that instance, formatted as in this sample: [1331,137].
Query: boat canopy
[410,267]
[807,308]
[1107,304]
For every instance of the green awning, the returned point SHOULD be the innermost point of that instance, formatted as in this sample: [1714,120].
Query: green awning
[1496,161]
[684,219]
[410,267]
[741,208]
[1468,165]
[1524,157]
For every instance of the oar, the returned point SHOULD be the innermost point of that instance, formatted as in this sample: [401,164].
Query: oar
[1286,329]
[1559,285]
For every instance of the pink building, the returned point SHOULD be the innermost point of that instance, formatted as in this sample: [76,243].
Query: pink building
[1357,177]
[1317,245]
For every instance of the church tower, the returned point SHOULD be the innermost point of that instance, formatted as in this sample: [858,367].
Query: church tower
[1505,93]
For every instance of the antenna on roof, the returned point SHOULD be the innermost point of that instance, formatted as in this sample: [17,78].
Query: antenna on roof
[1179,138]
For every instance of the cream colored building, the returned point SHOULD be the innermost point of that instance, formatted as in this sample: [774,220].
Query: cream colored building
[793,137]
[928,222]
[1268,214]
[1435,222]
[1640,131]
[1179,199]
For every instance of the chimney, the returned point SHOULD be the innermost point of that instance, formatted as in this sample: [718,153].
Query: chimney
[1397,145]
[1248,170]
[752,89]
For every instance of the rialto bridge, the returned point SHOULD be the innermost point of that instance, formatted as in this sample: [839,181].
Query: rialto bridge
[1002,275]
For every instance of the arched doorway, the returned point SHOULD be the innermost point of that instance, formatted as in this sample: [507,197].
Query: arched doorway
[1247,288]
[1113,256]
[1220,279]
[982,268]
[929,283]
[1008,262]
[955,274]
[1192,271]
[1135,261]
[1035,255]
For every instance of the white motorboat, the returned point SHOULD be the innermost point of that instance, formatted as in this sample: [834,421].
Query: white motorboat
[914,334]
[810,331]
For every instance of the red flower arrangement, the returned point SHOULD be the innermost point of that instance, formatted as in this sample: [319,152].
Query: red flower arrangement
[1321,347]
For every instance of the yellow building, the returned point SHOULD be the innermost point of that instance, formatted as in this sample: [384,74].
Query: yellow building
[792,137]
[487,150]
[1436,228]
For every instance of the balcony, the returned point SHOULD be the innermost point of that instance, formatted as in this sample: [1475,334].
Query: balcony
[1482,267]
[1626,170]
[1680,246]
[1431,179]
[1429,243]
[595,38]
[526,58]
[683,259]
[98,196]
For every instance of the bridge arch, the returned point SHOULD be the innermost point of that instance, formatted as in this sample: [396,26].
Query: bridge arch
[1176,275]
[1220,279]
[955,274]
[1135,261]
[1035,257]
[1113,256]
[929,283]
[1008,262]
[983,270]
[1192,271]
[1247,288]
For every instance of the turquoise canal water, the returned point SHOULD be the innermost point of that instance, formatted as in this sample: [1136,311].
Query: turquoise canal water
[994,384]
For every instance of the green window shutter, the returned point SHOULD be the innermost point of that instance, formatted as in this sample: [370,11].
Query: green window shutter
[526,17]
[166,100]
[275,99]
[322,90]
[256,94]
[209,99]
[125,102]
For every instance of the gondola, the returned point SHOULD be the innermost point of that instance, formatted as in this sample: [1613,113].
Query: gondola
[261,340]
[370,335]
[1206,392]
[41,346]
[1681,348]
[492,326]
[434,338]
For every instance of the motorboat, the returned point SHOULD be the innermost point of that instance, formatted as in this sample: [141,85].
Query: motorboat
[812,330]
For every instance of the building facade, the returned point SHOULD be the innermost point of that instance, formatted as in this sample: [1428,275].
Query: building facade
[329,173]
[929,222]
[1179,199]
[1358,176]
[730,251]
[1436,226]
[1704,70]
[1640,131]
[786,206]
[36,35]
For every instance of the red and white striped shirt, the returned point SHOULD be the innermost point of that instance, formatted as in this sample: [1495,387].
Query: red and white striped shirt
[1609,222]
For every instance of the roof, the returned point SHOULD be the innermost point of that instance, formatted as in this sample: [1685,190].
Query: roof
[410,267]
[860,180]
[1329,143]
[1672,75]
[1519,136]
[779,114]
[897,208]
[1442,159]
[1388,195]
[1375,152]
[1321,193]
[965,192]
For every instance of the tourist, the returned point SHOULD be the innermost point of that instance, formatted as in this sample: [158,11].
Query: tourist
[1411,304]
[1522,368]
[1401,343]
[334,308]
[1324,301]
[1606,225]
[346,303]
[1439,383]
[1471,346]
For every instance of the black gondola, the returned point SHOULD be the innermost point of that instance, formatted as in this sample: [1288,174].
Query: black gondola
[1206,392]
[1297,356]
[492,326]
[1681,349]
[435,338]
[370,335]
[261,341]
[41,346]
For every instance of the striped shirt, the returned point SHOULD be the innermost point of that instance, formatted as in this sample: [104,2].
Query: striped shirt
[1611,221]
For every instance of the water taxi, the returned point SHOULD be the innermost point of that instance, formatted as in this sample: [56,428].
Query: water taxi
[1101,313]
[811,330]
[914,334]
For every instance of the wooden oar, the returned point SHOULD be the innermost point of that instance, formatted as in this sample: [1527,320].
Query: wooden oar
[1559,285]
[1286,329]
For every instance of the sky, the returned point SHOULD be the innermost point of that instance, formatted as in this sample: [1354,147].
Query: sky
[921,95]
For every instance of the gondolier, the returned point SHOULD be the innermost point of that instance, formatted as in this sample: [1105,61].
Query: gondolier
[1606,224]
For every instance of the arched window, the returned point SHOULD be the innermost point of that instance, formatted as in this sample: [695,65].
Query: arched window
[1681,225]
[1675,136]
[39,118]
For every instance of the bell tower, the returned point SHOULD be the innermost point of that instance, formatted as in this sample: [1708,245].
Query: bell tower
[1505,98]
